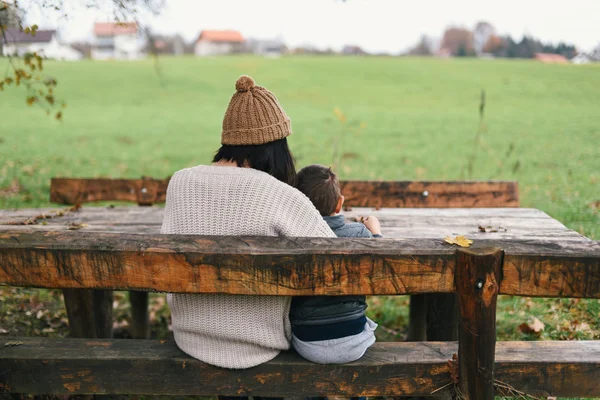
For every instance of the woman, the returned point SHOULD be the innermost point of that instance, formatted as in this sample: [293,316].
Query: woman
[245,192]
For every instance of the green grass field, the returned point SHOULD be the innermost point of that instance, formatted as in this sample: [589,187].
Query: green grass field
[407,118]
[373,118]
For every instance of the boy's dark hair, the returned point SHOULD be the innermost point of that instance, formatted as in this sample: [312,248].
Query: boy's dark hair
[321,186]
[274,158]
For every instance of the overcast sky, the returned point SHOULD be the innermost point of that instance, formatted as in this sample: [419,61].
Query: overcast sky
[376,25]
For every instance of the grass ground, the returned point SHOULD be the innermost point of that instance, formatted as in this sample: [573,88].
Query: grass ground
[372,118]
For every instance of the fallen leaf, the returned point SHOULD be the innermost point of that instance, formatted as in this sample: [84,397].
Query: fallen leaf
[486,229]
[12,189]
[76,207]
[453,365]
[13,343]
[459,241]
[534,326]
[163,341]
[2,330]
[73,226]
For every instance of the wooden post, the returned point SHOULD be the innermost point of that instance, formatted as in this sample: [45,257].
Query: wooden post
[103,307]
[89,312]
[478,277]
[442,322]
[80,311]
[139,314]
[417,319]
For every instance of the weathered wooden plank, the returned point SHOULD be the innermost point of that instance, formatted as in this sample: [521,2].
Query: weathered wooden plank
[77,191]
[392,233]
[357,193]
[398,213]
[79,366]
[430,194]
[478,277]
[284,266]
[184,263]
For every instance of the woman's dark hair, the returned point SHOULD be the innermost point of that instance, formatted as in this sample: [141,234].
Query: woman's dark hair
[274,158]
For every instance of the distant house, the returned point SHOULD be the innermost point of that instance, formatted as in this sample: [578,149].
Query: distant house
[212,43]
[266,47]
[174,45]
[443,52]
[550,58]
[581,58]
[44,42]
[351,50]
[117,41]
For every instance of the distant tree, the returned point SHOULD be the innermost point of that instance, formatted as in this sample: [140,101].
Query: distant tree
[10,17]
[595,54]
[481,35]
[494,45]
[528,47]
[567,50]
[459,41]
[422,48]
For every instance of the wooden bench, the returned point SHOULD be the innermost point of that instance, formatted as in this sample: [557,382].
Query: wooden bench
[88,265]
[304,266]
[432,316]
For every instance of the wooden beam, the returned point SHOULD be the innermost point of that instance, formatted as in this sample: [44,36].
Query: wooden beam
[97,366]
[143,191]
[284,266]
[414,194]
[357,193]
[478,277]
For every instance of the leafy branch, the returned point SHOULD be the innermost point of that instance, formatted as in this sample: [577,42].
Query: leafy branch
[40,89]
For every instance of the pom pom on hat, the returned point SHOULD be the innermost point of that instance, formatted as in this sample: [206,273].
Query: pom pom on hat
[244,83]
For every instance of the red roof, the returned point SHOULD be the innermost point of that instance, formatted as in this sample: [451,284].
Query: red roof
[14,35]
[221,36]
[551,58]
[113,29]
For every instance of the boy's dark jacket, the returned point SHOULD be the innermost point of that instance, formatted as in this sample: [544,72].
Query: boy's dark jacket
[342,311]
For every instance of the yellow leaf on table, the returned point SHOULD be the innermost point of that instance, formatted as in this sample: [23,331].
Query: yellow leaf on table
[459,241]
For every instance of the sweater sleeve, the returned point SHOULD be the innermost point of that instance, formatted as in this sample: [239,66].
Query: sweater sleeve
[298,216]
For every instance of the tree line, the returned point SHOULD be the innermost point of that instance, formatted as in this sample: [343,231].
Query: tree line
[483,40]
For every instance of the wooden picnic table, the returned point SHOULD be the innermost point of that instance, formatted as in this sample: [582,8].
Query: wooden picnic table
[433,316]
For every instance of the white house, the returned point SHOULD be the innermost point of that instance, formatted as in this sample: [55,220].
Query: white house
[581,58]
[44,42]
[117,41]
[266,47]
[211,43]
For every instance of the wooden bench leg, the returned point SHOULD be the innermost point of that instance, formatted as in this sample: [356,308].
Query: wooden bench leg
[139,314]
[477,277]
[442,317]
[89,312]
[417,319]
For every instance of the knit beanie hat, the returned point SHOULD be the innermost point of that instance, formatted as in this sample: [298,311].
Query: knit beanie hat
[254,116]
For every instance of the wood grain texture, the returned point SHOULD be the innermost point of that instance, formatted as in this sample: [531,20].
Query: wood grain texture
[284,266]
[89,312]
[357,193]
[478,277]
[507,223]
[96,366]
[415,194]
[143,191]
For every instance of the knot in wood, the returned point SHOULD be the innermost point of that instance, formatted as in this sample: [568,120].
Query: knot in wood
[479,284]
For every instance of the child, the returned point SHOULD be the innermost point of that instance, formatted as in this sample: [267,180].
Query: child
[332,330]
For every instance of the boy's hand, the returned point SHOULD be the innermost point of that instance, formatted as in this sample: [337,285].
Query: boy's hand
[372,224]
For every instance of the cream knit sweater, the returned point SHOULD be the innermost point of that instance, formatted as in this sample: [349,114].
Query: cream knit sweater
[234,331]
